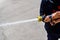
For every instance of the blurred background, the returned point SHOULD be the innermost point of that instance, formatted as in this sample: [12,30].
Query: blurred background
[16,10]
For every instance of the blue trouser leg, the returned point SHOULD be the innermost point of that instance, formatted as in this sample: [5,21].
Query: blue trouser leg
[52,36]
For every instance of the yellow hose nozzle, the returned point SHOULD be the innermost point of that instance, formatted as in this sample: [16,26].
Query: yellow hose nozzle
[39,18]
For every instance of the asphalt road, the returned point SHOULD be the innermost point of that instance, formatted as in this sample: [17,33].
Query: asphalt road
[16,10]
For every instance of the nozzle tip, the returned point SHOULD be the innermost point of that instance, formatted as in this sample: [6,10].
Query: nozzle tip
[39,18]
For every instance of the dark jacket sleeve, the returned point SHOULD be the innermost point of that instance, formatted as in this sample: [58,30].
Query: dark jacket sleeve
[42,7]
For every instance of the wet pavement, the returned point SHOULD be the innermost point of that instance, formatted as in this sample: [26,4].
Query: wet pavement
[16,10]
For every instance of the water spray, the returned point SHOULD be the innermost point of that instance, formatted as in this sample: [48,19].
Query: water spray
[39,18]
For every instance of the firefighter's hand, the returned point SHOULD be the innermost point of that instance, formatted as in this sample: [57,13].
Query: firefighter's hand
[47,19]
[56,15]
[55,18]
